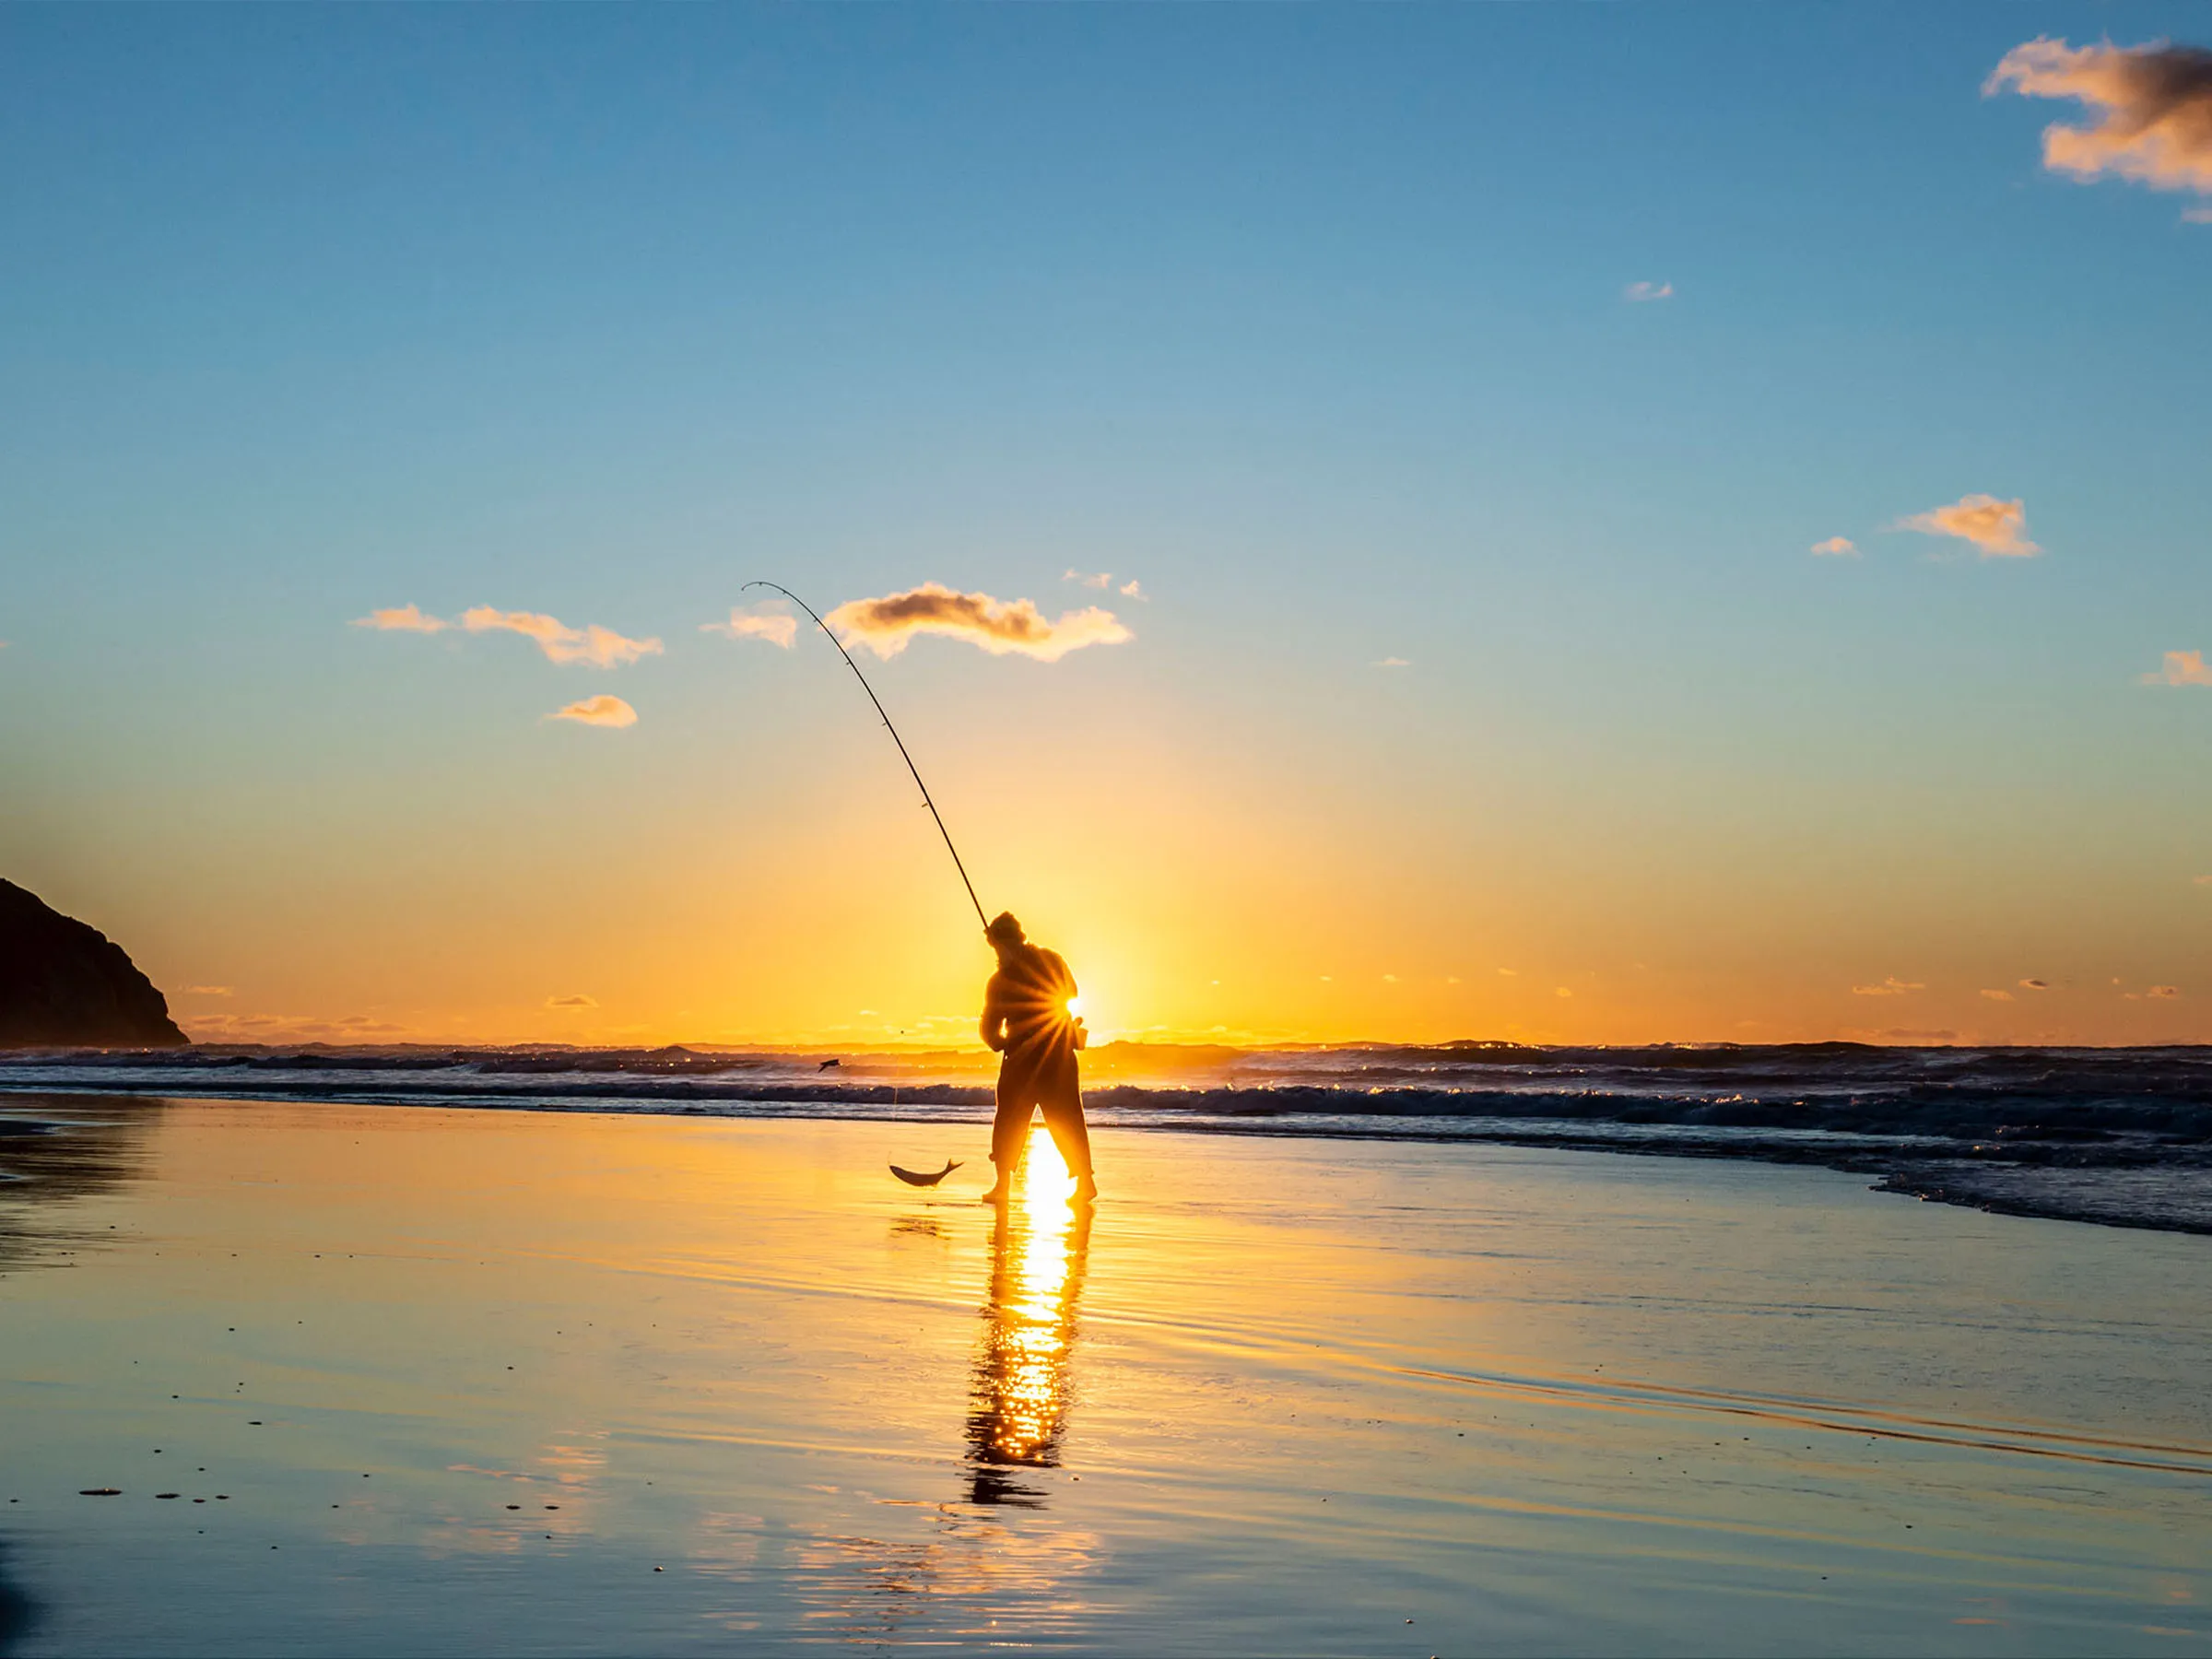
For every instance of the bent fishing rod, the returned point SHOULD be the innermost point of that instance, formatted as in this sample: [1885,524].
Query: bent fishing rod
[893,730]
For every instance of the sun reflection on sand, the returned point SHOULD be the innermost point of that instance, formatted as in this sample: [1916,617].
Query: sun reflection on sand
[1020,1391]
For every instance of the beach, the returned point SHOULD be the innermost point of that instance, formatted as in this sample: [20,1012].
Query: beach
[440,1380]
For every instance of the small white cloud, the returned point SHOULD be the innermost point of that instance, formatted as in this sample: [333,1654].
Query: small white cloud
[403,618]
[1892,987]
[1394,662]
[578,1001]
[601,647]
[1130,589]
[1089,579]
[1998,995]
[1639,293]
[1837,547]
[764,622]
[600,710]
[2181,668]
[999,626]
[1996,527]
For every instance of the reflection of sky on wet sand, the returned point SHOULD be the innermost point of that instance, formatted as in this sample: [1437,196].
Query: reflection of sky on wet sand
[465,1380]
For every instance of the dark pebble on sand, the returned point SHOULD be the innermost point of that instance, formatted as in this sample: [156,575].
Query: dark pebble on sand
[100,1492]
[552,1506]
[514,1506]
[169,1494]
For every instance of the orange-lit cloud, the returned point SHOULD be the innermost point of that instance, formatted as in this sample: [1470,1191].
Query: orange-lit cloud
[601,647]
[2165,991]
[1892,987]
[1132,589]
[1991,525]
[772,626]
[1837,547]
[2183,668]
[404,618]
[600,710]
[1090,579]
[572,1002]
[2152,106]
[999,627]
[207,991]
[1640,293]
[1998,995]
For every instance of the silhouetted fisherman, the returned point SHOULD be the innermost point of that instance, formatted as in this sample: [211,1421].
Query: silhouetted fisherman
[1027,1020]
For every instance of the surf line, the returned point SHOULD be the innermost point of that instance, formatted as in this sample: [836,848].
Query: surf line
[893,730]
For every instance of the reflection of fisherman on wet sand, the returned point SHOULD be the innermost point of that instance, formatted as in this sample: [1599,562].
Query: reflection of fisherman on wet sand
[1027,1019]
[1020,1392]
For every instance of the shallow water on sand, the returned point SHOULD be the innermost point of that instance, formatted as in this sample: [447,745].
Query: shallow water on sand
[454,1381]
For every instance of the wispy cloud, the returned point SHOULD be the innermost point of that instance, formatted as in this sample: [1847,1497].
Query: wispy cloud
[207,991]
[1090,579]
[403,618]
[1996,527]
[1998,995]
[2151,108]
[1837,547]
[1892,987]
[759,624]
[1393,662]
[600,710]
[2181,668]
[1639,293]
[1000,626]
[601,647]
[1132,589]
[572,1002]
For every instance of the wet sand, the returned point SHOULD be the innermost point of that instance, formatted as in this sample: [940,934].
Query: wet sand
[436,1380]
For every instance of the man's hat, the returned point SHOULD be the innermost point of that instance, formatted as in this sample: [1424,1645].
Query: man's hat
[1004,929]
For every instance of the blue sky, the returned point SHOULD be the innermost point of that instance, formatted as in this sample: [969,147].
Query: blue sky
[1313,320]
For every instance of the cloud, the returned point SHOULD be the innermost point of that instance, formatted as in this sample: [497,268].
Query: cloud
[403,618]
[207,991]
[1562,990]
[601,647]
[2183,668]
[1991,525]
[1892,987]
[1393,662]
[1637,293]
[2034,984]
[2165,991]
[999,627]
[286,1028]
[1090,579]
[1131,590]
[600,710]
[772,626]
[1998,995]
[572,1002]
[1837,547]
[2152,106]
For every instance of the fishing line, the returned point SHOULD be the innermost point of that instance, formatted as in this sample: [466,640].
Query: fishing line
[894,738]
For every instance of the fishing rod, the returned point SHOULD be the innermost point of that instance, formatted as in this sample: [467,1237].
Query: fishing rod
[894,738]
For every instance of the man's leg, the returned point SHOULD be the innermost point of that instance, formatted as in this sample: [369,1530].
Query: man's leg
[1072,1135]
[1009,1133]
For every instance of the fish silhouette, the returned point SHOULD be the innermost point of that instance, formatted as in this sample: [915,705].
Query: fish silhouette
[926,1177]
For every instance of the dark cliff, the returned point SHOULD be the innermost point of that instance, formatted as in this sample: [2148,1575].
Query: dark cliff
[64,984]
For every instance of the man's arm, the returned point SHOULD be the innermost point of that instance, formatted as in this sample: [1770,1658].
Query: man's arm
[995,1018]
